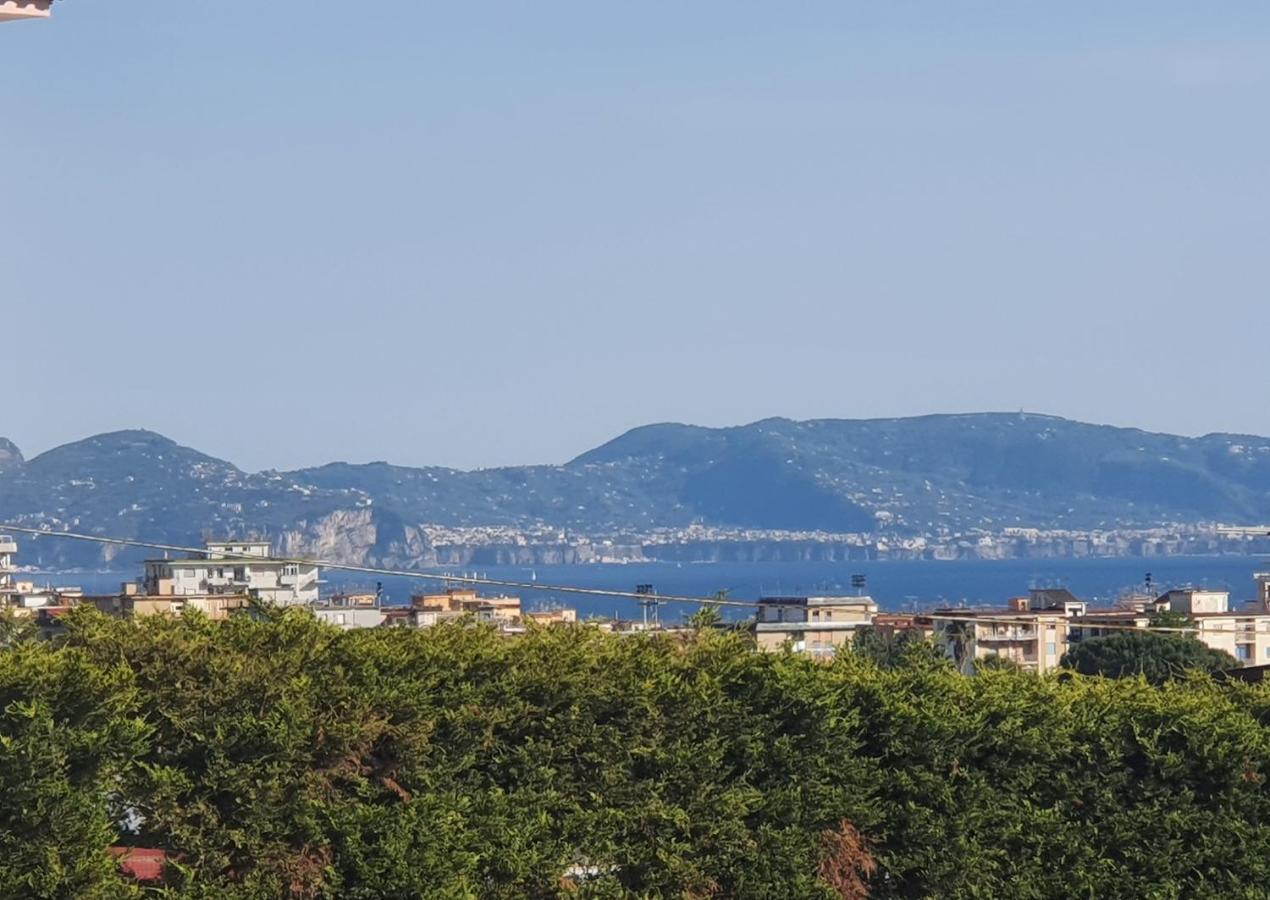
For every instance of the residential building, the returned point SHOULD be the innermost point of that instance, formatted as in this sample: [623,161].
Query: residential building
[350,617]
[1032,632]
[12,10]
[8,585]
[1244,632]
[813,625]
[465,601]
[558,616]
[125,605]
[235,567]
[1194,601]
[1049,599]
[1033,639]
[898,623]
[23,597]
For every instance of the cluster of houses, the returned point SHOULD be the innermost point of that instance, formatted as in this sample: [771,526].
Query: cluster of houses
[1033,632]
[235,577]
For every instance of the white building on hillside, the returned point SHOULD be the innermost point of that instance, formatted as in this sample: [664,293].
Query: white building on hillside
[235,567]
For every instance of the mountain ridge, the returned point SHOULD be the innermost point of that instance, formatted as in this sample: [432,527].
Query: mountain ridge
[935,474]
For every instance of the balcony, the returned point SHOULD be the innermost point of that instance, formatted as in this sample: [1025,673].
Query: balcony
[24,9]
[788,627]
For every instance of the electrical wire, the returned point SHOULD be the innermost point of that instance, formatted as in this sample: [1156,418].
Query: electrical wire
[1023,618]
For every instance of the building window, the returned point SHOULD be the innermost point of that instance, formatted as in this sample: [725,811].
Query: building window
[1243,652]
[1051,648]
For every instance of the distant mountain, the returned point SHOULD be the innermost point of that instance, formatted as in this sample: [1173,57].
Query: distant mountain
[10,455]
[904,476]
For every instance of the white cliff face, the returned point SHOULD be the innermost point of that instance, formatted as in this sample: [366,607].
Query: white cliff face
[357,537]
[344,536]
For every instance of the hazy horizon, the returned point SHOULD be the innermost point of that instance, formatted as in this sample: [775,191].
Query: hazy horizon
[501,235]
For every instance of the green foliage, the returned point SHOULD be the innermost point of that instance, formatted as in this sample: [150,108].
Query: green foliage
[15,628]
[1166,618]
[994,662]
[284,758]
[68,730]
[1156,657]
[889,648]
[707,617]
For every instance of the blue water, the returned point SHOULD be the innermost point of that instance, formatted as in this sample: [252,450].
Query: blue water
[895,585]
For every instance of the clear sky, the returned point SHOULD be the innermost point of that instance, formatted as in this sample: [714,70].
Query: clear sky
[487,233]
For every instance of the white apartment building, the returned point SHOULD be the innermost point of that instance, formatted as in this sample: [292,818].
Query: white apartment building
[8,550]
[12,10]
[235,567]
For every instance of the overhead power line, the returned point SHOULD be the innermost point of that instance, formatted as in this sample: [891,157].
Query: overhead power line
[375,570]
[641,596]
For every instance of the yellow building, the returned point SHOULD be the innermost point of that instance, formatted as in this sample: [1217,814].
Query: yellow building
[814,625]
[552,617]
[1034,640]
[217,607]
[464,601]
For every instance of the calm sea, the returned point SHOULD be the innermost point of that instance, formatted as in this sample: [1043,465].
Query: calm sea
[895,585]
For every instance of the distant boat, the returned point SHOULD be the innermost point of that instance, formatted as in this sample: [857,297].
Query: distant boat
[533,575]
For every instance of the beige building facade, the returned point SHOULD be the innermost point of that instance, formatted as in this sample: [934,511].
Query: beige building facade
[818,626]
[1034,640]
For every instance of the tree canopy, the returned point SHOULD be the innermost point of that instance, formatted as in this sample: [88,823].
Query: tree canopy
[1157,657]
[286,758]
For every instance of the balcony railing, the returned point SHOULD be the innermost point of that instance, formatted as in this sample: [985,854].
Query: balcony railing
[1008,634]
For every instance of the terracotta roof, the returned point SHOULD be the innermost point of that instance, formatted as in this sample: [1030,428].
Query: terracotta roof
[143,864]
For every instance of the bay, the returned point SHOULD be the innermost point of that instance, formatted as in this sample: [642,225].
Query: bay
[896,585]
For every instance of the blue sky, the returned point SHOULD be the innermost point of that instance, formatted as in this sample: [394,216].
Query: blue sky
[492,233]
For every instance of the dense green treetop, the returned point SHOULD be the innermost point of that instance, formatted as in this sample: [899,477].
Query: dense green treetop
[1157,657]
[284,758]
